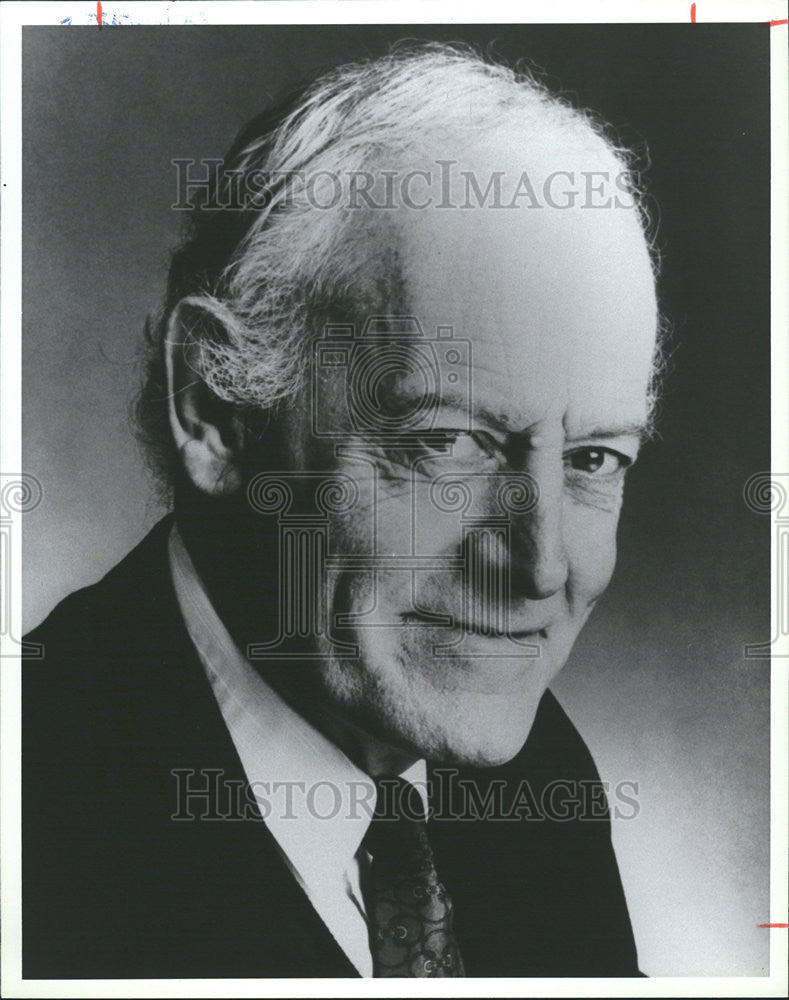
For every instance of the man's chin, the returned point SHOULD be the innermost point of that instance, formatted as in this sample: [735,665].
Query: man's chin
[470,711]
[463,748]
[480,733]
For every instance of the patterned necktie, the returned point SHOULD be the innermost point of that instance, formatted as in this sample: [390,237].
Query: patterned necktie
[409,910]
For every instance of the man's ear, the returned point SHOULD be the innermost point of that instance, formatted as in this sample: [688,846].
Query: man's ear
[207,432]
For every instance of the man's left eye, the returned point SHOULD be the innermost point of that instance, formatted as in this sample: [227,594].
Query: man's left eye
[597,461]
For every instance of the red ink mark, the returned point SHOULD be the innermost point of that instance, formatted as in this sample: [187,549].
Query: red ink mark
[773,24]
[98,12]
[772,925]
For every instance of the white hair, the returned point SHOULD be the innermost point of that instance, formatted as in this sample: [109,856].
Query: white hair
[259,290]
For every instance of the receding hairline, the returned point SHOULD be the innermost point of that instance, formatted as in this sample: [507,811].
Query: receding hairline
[271,276]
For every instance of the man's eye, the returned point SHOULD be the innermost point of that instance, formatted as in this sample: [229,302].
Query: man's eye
[465,447]
[600,462]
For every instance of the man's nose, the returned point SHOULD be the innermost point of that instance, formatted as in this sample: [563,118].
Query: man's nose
[538,555]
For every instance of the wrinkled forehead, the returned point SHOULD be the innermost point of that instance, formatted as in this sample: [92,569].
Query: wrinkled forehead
[554,292]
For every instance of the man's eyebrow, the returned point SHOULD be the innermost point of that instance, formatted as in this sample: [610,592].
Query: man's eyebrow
[637,428]
[454,401]
[641,429]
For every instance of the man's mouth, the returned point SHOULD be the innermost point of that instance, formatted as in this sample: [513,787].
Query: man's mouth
[488,631]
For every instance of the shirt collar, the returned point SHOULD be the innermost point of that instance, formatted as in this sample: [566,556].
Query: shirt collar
[315,801]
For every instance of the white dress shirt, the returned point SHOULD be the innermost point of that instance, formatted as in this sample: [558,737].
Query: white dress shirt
[314,800]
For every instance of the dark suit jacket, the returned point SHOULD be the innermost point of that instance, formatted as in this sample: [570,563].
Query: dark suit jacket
[114,887]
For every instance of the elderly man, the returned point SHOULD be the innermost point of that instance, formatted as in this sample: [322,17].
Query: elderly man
[405,359]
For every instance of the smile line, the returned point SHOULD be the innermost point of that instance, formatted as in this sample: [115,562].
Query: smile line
[415,618]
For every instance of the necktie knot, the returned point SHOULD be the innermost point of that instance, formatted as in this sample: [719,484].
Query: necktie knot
[397,835]
[398,800]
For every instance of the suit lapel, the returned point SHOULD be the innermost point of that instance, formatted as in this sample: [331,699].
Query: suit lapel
[536,892]
[214,894]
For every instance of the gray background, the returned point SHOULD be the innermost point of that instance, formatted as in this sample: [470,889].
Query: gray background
[658,683]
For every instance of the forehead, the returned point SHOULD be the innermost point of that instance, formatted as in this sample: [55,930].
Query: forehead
[558,305]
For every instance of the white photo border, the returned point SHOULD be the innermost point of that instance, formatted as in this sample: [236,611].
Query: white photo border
[13,16]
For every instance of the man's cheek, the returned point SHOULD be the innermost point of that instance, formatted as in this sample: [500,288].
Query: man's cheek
[409,524]
[590,542]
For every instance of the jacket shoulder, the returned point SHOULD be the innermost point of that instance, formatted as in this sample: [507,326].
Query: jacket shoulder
[127,597]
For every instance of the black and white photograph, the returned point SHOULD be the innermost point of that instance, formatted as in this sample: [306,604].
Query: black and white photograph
[392,514]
